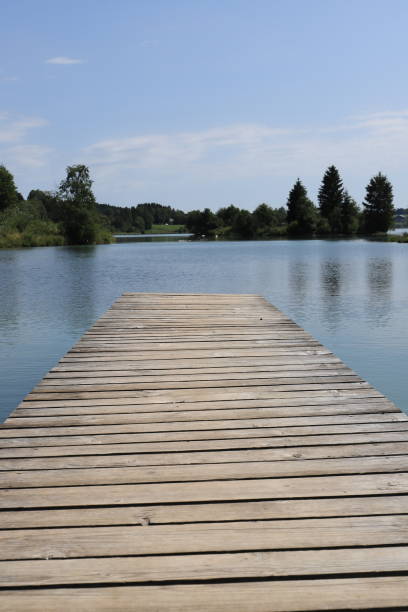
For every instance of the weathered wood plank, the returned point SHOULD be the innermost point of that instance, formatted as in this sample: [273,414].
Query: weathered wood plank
[298,350]
[360,593]
[149,423]
[209,512]
[210,456]
[217,490]
[368,406]
[70,378]
[206,537]
[204,472]
[166,396]
[40,391]
[167,432]
[260,564]
[70,445]
[156,364]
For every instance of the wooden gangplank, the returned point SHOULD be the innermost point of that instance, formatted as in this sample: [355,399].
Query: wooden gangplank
[203,452]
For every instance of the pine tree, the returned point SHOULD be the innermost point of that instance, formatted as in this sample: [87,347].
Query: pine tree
[301,211]
[378,205]
[8,191]
[331,194]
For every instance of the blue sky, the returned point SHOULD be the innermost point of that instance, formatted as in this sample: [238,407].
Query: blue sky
[204,102]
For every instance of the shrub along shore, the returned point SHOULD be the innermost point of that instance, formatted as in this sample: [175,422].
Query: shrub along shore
[71,215]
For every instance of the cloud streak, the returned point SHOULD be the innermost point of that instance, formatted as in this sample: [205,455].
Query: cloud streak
[64,61]
[13,146]
[14,129]
[254,149]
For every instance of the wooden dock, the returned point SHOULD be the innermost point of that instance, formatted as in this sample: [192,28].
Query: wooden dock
[203,453]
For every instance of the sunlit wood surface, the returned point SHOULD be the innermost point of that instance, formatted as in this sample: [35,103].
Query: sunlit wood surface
[203,453]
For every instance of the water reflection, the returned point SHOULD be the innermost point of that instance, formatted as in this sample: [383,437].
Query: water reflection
[9,292]
[380,285]
[299,272]
[331,284]
[152,237]
[79,288]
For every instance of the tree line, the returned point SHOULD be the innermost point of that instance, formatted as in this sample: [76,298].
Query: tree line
[337,213]
[71,215]
[140,218]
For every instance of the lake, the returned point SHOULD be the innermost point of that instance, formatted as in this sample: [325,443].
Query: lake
[350,294]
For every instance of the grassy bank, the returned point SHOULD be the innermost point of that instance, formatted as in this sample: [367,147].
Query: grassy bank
[166,229]
[398,237]
[26,225]
[40,236]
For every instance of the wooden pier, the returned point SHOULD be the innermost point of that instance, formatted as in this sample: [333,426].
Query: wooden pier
[203,453]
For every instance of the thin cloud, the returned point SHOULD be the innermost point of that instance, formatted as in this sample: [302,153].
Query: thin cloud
[254,148]
[249,154]
[168,151]
[64,61]
[14,148]
[29,155]
[14,129]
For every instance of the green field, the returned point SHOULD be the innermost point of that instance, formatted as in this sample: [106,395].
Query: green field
[166,229]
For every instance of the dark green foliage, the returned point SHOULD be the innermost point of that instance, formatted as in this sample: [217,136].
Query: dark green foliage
[269,221]
[77,187]
[302,217]
[80,225]
[162,214]
[50,202]
[322,226]
[296,197]
[281,215]
[378,205]
[202,223]
[80,219]
[26,224]
[141,217]
[140,223]
[350,215]
[243,225]
[330,198]
[119,219]
[8,191]
[228,214]
[264,216]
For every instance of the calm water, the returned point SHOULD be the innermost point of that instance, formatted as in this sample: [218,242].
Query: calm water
[351,295]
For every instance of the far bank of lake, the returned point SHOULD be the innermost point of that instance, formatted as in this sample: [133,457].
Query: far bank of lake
[350,294]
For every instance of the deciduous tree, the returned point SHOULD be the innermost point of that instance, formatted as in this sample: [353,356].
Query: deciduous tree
[80,218]
[350,215]
[8,191]
[77,187]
